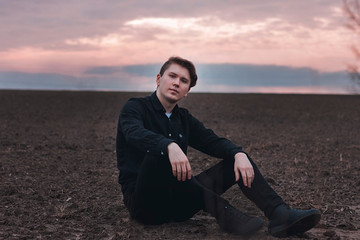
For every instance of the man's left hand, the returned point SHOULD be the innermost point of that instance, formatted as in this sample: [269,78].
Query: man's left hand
[243,168]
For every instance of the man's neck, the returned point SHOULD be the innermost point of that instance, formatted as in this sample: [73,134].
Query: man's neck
[166,104]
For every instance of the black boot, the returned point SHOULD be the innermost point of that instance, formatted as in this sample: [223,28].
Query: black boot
[233,221]
[285,221]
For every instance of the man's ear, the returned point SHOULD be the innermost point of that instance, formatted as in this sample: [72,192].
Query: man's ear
[158,80]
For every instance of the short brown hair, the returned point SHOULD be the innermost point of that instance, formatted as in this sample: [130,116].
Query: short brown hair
[184,63]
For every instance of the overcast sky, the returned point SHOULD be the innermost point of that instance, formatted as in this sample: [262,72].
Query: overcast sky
[238,46]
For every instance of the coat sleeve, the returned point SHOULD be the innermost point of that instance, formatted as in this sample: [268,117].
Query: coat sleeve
[131,127]
[206,141]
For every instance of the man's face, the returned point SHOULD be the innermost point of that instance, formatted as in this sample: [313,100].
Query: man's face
[174,84]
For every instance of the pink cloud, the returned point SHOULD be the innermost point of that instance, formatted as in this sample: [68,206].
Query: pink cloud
[72,37]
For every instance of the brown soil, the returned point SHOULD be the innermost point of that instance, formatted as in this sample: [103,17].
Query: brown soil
[59,177]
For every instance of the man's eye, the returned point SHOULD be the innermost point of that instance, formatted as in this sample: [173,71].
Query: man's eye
[184,80]
[172,75]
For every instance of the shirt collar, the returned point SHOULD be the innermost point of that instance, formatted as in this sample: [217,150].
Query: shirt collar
[158,106]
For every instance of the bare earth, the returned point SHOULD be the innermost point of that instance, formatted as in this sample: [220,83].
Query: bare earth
[59,177]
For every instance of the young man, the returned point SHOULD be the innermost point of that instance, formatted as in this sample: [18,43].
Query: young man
[155,173]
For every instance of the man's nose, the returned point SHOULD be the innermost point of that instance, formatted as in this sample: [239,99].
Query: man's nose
[176,81]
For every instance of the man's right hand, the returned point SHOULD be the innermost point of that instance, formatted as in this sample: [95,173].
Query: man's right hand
[179,162]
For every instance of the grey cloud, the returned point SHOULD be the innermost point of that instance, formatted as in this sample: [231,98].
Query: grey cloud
[141,78]
[49,81]
[104,70]
[253,75]
[11,80]
[267,75]
[148,70]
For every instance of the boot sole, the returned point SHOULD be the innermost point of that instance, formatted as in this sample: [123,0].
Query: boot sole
[302,225]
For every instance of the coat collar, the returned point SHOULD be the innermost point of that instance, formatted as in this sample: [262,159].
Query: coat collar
[158,106]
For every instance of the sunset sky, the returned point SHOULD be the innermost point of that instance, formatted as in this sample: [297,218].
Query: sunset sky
[238,46]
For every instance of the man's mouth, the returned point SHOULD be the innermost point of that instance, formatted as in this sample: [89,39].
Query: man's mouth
[174,90]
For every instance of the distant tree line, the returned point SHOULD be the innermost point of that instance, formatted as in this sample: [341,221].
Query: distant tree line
[351,10]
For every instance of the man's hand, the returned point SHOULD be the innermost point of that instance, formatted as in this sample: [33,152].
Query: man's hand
[243,168]
[179,162]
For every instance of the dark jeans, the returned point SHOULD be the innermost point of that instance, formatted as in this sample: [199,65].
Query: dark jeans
[158,197]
